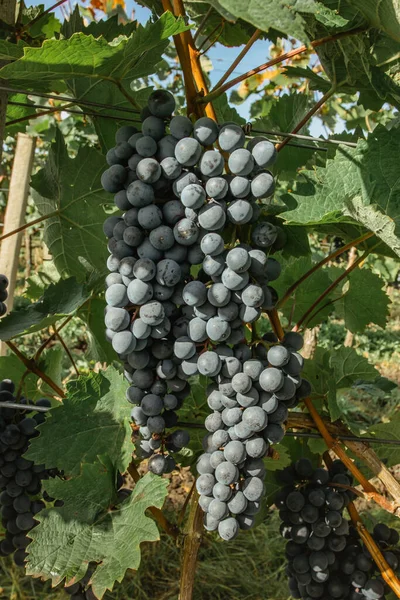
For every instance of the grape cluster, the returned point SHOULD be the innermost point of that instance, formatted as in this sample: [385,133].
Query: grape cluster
[232,286]
[360,568]
[20,479]
[252,390]
[326,558]
[166,319]
[3,294]
[152,249]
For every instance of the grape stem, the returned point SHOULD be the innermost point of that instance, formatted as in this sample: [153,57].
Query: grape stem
[238,59]
[217,91]
[184,507]
[331,287]
[32,366]
[158,515]
[67,350]
[191,547]
[275,323]
[307,117]
[340,453]
[30,224]
[209,36]
[202,23]
[321,263]
[195,69]
[184,60]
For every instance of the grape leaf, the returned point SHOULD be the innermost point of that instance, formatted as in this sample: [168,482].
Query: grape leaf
[328,372]
[365,302]
[288,19]
[51,364]
[283,459]
[15,112]
[98,71]
[84,531]
[225,112]
[10,51]
[384,14]
[284,115]
[83,56]
[306,293]
[272,487]
[93,420]
[349,366]
[69,192]
[387,431]
[59,300]
[320,373]
[92,313]
[360,184]
[12,368]
[109,29]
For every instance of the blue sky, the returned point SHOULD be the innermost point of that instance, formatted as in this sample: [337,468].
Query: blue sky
[220,56]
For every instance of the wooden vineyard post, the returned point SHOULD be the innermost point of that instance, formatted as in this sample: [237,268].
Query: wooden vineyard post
[15,213]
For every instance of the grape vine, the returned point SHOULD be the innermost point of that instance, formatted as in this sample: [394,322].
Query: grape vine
[239,257]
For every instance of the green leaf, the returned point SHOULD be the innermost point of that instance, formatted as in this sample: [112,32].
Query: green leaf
[284,115]
[283,460]
[225,112]
[87,57]
[59,300]
[309,291]
[70,537]
[10,51]
[384,14]
[272,487]
[98,71]
[387,431]
[359,185]
[297,448]
[92,313]
[93,420]
[15,112]
[288,19]
[69,192]
[321,374]
[51,364]
[329,372]
[349,366]
[366,301]
[12,368]
[109,29]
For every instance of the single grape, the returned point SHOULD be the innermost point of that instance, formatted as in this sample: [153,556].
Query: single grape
[241,162]
[140,194]
[180,127]
[264,235]
[231,137]
[217,188]
[161,103]
[264,153]
[212,164]
[188,151]
[186,232]
[193,196]
[205,131]
[113,179]
[146,146]
[154,127]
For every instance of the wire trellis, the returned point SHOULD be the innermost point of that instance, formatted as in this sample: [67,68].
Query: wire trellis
[248,128]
